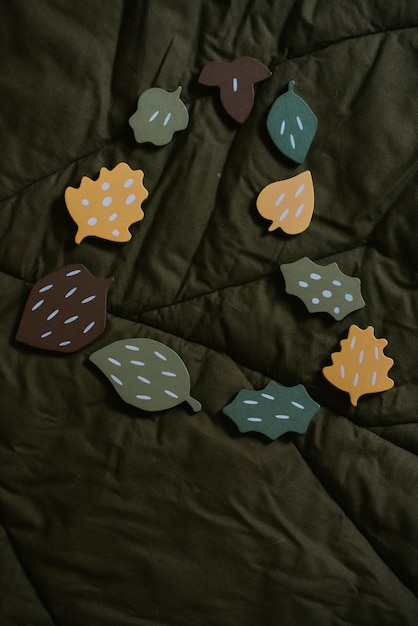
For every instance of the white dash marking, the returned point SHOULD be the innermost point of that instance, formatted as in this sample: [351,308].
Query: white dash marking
[361,356]
[160,356]
[114,361]
[298,405]
[49,332]
[337,283]
[37,305]
[284,215]
[376,353]
[172,374]
[130,199]
[250,402]
[128,183]
[167,119]
[292,141]
[280,199]
[137,363]
[46,288]
[282,127]
[353,342]
[342,371]
[234,85]
[299,190]
[144,380]
[268,396]
[88,327]
[152,118]
[64,343]
[299,210]
[88,299]
[355,382]
[303,283]
[170,393]
[374,377]
[116,379]
[113,217]
[52,315]
[142,397]
[299,122]
[282,417]
[315,276]
[71,292]
[73,273]
[254,419]
[71,319]
[129,346]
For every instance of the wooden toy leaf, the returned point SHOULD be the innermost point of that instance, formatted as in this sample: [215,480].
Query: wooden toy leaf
[106,207]
[360,367]
[159,115]
[273,411]
[323,287]
[289,203]
[146,373]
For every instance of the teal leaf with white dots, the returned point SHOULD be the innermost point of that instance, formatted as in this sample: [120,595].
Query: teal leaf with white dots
[272,411]
[323,288]
[292,125]
[146,373]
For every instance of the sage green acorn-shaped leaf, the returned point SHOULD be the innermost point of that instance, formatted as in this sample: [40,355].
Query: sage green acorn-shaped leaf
[323,287]
[272,411]
[159,115]
[292,125]
[146,373]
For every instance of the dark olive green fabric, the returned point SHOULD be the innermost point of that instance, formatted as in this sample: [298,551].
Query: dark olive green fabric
[115,517]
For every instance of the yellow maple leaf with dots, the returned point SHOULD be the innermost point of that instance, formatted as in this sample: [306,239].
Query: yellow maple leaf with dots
[360,367]
[106,207]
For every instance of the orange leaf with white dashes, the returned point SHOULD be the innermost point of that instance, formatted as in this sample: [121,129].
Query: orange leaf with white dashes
[360,367]
[106,207]
[289,203]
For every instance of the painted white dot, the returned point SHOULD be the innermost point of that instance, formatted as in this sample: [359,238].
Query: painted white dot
[299,210]
[292,142]
[282,127]
[88,327]
[70,292]
[92,221]
[337,283]
[167,119]
[115,232]
[315,300]
[46,288]
[129,346]
[342,371]
[299,122]
[234,85]
[254,419]
[327,293]
[105,186]
[336,310]
[172,374]
[114,361]
[72,319]
[355,382]
[107,201]
[85,202]
[144,380]
[113,217]
[170,393]
[303,283]
[280,199]
[73,273]
[37,305]
[284,215]
[154,116]
[282,417]
[299,190]
[250,402]
[361,356]
[374,377]
[315,276]
[348,297]
[116,379]
[142,397]
[47,334]
[64,343]
[160,356]
[52,315]
[268,396]
[137,363]
[88,299]
[128,183]
[298,405]
[130,199]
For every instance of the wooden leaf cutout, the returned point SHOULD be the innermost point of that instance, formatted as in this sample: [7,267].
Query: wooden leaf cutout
[65,310]
[323,288]
[146,373]
[360,367]
[273,411]
[159,115]
[106,207]
[289,203]
[292,125]
[236,83]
